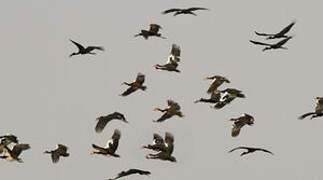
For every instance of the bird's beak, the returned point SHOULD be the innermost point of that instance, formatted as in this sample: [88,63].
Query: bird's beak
[142,147]
[155,109]
[207,78]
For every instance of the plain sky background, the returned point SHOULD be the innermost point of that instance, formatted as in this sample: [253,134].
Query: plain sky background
[48,98]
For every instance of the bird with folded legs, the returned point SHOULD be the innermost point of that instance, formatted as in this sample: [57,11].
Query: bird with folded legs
[215,98]
[250,150]
[172,61]
[278,45]
[82,50]
[217,81]
[239,122]
[183,11]
[172,110]
[104,120]
[229,94]
[134,86]
[153,31]
[111,147]
[61,150]
[13,154]
[166,153]
[280,34]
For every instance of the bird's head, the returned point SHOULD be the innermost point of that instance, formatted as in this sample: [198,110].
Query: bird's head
[74,53]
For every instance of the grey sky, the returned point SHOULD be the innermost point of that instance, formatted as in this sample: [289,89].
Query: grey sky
[49,98]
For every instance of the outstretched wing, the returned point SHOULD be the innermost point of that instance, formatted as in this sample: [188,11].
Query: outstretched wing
[282,42]
[197,8]
[287,28]
[260,43]
[265,150]
[18,148]
[176,50]
[102,122]
[235,130]
[79,46]
[240,147]
[91,48]
[306,114]
[154,28]
[130,90]
[263,34]
[171,10]
[164,117]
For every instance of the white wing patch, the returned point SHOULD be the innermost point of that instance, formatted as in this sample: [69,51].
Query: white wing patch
[108,143]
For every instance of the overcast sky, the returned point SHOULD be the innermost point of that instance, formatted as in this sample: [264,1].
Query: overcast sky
[48,98]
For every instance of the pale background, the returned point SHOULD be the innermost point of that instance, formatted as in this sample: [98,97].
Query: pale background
[49,98]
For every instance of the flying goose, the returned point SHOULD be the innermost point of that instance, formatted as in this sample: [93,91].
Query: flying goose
[172,109]
[157,145]
[281,34]
[153,31]
[318,109]
[278,45]
[111,147]
[229,95]
[130,172]
[239,122]
[250,150]
[13,154]
[134,86]
[165,154]
[87,50]
[217,81]
[184,11]
[61,150]
[104,120]
[172,61]
[215,98]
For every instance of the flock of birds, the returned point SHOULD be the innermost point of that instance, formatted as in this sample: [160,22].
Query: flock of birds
[163,147]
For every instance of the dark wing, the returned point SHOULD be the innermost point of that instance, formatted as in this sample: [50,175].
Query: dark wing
[102,122]
[140,78]
[241,147]
[165,116]
[115,141]
[18,148]
[101,149]
[176,50]
[282,42]
[260,43]
[158,139]
[263,34]
[169,142]
[287,28]
[214,86]
[62,149]
[171,10]
[235,131]
[196,8]
[306,114]
[265,150]
[55,157]
[216,96]
[91,48]
[79,46]
[224,102]
[130,90]
[137,171]
[154,28]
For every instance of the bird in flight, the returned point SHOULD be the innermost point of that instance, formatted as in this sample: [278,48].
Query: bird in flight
[172,61]
[229,95]
[217,81]
[166,152]
[130,172]
[61,150]
[134,86]
[318,109]
[250,150]
[111,147]
[281,34]
[184,11]
[278,45]
[215,98]
[104,120]
[153,31]
[172,109]
[157,145]
[13,154]
[87,50]
[239,122]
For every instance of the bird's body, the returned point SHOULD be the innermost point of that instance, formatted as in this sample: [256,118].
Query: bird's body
[111,147]
[130,172]
[104,120]
[250,150]
[88,50]
[318,109]
[166,149]
[13,154]
[215,98]
[229,95]
[172,109]
[172,61]
[61,150]
[281,34]
[153,31]
[134,86]
[239,122]
[5,140]
[183,11]
[278,45]
[157,145]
